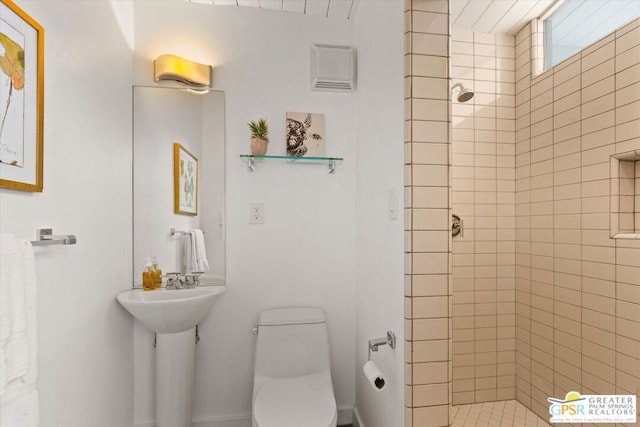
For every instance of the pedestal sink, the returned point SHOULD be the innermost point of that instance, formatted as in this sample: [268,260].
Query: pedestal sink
[173,315]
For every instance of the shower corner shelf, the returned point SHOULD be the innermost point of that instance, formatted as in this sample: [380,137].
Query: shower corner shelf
[331,162]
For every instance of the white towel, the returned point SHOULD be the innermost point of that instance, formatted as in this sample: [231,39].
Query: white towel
[20,411]
[195,252]
[18,334]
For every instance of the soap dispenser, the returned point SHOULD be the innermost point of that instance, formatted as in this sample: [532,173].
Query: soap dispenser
[148,276]
[157,272]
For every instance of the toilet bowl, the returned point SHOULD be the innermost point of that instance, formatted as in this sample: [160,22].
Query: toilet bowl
[292,384]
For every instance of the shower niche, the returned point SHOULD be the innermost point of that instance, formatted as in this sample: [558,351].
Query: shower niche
[625,195]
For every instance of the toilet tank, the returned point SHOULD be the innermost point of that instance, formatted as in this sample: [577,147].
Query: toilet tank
[292,342]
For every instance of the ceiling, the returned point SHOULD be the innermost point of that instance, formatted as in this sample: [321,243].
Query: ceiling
[496,16]
[486,16]
[330,8]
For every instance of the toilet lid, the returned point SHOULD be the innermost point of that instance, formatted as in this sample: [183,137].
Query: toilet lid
[295,402]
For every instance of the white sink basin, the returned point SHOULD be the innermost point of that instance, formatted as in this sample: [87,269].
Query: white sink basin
[170,311]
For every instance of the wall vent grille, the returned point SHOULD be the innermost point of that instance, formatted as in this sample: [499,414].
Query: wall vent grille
[333,68]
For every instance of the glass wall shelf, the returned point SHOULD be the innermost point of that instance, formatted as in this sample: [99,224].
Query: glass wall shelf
[331,162]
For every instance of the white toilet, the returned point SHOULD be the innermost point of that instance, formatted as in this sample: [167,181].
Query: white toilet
[292,378]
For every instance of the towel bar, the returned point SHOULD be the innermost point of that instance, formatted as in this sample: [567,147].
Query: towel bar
[46,238]
[174,232]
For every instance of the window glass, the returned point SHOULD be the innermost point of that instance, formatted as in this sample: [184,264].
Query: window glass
[576,24]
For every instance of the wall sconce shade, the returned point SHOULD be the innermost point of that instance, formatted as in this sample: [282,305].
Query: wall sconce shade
[189,73]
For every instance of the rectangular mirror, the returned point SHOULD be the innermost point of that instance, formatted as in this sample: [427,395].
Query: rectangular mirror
[163,117]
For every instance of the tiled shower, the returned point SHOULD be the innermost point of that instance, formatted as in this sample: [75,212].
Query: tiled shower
[483,146]
[577,289]
[542,300]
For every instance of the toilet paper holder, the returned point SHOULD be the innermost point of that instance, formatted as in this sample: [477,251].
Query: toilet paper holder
[389,340]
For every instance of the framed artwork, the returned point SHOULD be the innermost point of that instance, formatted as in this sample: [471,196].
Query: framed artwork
[185,181]
[305,134]
[21,99]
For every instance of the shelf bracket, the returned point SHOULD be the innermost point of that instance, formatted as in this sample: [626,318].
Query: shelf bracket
[251,164]
[332,166]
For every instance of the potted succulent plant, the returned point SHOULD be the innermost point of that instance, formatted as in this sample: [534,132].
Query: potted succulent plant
[259,137]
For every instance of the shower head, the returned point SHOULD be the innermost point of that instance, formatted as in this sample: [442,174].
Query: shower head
[464,94]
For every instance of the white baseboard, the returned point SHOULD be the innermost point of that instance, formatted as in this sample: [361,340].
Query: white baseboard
[356,418]
[242,420]
[345,416]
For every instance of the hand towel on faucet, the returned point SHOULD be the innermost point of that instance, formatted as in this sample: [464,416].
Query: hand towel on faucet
[195,252]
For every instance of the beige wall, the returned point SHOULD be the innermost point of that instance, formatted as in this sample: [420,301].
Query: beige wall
[483,143]
[427,213]
[577,290]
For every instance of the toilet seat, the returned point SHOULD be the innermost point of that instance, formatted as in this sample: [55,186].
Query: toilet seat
[295,402]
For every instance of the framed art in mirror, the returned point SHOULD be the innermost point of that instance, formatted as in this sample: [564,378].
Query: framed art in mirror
[21,104]
[185,181]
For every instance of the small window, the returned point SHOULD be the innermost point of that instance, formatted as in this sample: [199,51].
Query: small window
[576,24]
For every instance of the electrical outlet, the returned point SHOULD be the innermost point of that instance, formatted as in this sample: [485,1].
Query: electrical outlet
[256,213]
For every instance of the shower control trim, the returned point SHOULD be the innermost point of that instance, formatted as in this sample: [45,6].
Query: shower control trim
[457,226]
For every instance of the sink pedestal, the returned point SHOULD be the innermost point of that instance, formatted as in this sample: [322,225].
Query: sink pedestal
[173,316]
[175,372]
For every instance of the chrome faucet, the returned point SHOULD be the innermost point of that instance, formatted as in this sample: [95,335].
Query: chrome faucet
[182,281]
[175,281]
[192,280]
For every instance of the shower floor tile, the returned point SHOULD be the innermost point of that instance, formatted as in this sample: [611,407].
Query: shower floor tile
[507,413]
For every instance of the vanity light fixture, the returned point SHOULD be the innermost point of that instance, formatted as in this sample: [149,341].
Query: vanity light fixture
[197,77]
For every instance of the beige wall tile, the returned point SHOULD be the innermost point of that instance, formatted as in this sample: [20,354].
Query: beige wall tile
[430,263]
[599,56]
[424,373]
[427,109]
[627,76]
[430,395]
[429,131]
[437,6]
[429,175]
[598,89]
[430,351]
[627,40]
[433,23]
[628,112]
[429,44]
[430,197]
[568,87]
[435,416]
[429,87]
[430,241]
[628,274]
[429,66]
[598,106]
[628,58]
[430,329]
[598,72]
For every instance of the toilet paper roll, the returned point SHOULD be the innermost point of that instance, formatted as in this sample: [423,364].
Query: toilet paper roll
[374,375]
